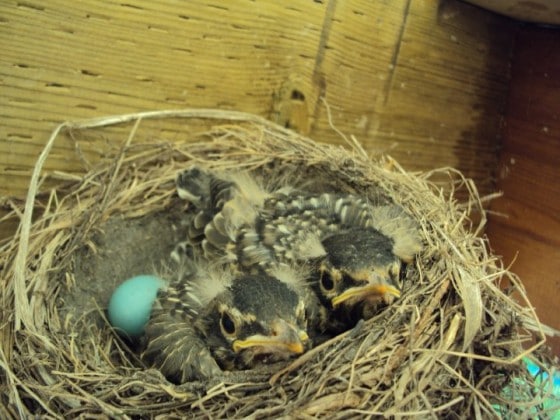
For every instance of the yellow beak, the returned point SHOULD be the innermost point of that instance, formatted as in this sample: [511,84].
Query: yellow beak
[284,338]
[365,291]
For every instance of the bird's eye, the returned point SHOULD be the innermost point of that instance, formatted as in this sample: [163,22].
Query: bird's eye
[227,324]
[327,281]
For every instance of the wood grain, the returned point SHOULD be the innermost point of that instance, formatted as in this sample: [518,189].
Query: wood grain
[425,83]
[529,173]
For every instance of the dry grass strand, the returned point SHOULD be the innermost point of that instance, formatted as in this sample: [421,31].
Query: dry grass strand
[451,344]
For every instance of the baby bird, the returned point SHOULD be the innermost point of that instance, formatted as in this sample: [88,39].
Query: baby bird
[361,267]
[353,249]
[215,319]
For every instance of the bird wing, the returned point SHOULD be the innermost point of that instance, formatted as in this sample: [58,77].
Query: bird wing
[174,343]
[243,222]
[174,348]
[224,203]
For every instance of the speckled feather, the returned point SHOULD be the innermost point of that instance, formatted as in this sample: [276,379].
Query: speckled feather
[174,343]
[276,224]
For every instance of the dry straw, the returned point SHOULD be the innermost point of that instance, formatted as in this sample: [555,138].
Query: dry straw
[448,348]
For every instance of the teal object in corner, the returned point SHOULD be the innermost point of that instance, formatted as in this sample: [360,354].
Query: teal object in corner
[131,304]
[552,404]
[548,388]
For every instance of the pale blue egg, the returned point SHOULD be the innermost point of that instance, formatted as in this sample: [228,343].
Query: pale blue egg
[131,304]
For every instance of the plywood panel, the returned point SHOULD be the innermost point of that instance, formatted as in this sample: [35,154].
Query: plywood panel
[423,83]
[65,60]
[530,173]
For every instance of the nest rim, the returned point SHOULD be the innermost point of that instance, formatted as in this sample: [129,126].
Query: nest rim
[65,384]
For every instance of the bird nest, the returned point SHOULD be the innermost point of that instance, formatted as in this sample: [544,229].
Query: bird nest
[451,346]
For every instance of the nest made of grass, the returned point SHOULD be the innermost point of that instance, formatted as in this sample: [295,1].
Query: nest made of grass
[447,348]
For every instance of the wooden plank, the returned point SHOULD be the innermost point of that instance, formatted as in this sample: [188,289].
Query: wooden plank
[435,97]
[422,82]
[530,173]
[67,61]
[450,87]
[537,262]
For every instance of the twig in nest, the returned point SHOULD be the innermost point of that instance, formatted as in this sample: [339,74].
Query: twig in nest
[48,367]
[398,358]
[300,361]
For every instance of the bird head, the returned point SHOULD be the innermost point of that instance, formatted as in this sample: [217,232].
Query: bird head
[358,272]
[255,319]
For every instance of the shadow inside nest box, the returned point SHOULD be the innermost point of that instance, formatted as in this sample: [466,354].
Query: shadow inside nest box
[340,177]
[119,249]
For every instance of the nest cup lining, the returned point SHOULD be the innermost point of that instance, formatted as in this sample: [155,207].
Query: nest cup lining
[448,346]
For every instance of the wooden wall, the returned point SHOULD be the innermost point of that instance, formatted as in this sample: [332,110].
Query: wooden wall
[529,173]
[424,82]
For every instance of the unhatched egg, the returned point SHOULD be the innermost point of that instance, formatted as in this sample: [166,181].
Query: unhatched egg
[131,304]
